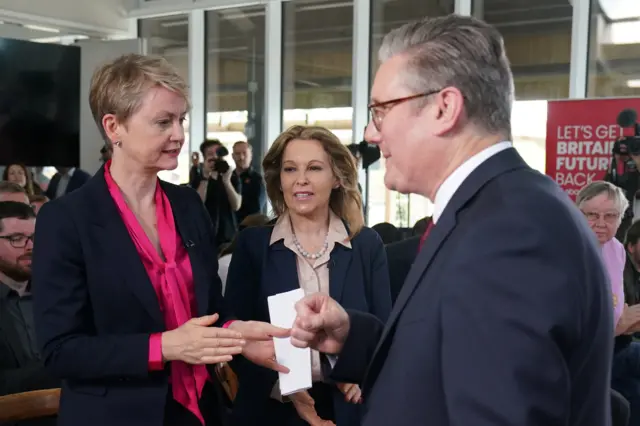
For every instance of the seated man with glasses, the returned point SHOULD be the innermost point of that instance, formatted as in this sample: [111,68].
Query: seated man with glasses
[21,369]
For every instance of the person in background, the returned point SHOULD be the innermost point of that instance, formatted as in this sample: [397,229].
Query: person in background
[604,206]
[37,201]
[66,180]
[225,254]
[18,173]
[220,193]
[10,191]
[388,232]
[105,153]
[21,367]
[40,178]
[127,300]
[254,196]
[319,244]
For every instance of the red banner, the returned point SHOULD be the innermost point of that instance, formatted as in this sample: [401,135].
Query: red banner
[580,137]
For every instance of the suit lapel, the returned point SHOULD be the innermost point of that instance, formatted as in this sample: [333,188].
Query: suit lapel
[281,269]
[116,239]
[496,165]
[339,263]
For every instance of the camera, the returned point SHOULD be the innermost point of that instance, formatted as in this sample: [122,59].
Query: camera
[628,145]
[219,165]
[368,153]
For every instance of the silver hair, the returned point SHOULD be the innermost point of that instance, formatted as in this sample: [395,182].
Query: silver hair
[599,187]
[461,52]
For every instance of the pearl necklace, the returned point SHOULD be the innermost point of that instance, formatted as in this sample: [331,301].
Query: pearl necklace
[308,255]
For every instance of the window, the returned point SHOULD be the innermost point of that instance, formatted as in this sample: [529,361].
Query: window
[235,76]
[169,37]
[537,38]
[317,68]
[385,205]
[614,38]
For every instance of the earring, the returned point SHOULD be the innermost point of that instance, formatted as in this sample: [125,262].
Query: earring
[117,143]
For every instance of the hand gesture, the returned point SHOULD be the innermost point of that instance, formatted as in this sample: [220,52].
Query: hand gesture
[195,342]
[305,407]
[351,391]
[259,348]
[630,317]
[322,324]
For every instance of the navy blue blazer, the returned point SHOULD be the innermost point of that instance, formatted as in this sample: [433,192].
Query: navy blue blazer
[358,279]
[95,307]
[78,178]
[504,319]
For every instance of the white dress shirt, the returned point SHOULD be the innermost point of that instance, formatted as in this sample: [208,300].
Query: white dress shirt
[459,175]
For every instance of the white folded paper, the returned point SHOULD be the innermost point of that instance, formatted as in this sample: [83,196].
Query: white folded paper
[283,313]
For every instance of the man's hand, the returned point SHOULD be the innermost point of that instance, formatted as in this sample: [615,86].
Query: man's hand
[226,176]
[351,391]
[322,324]
[305,407]
[259,343]
[629,320]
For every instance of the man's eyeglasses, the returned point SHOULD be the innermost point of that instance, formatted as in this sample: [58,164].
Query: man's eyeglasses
[18,240]
[379,110]
[610,218]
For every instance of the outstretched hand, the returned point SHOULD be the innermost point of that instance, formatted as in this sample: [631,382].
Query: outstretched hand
[259,347]
[321,324]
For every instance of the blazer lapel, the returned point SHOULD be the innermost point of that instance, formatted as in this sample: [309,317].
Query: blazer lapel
[280,269]
[116,239]
[339,263]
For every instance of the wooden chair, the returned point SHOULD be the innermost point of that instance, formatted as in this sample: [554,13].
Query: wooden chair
[29,405]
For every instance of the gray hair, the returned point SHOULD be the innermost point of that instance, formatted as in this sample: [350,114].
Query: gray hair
[461,52]
[599,187]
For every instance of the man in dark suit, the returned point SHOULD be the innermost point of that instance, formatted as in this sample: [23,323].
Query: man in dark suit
[66,180]
[506,315]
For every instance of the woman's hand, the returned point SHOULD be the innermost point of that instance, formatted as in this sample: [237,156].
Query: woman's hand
[195,342]
[259,348]
[351,391]
[305,407]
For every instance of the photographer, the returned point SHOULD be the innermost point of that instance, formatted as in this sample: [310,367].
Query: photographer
[220,195]
[623,170]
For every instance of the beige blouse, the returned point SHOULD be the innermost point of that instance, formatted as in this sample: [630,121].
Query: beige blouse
[313,275]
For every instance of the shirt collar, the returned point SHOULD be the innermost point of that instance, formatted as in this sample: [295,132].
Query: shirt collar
[455,179]
[338,234]
[7,285]
[70,172]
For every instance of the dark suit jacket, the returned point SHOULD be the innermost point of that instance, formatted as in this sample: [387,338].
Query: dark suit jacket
[400,257]
[358,279]
[95,306]
[19,371]
[505,317]
[79,178]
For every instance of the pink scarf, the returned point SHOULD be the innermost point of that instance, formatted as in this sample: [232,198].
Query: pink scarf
[170,285]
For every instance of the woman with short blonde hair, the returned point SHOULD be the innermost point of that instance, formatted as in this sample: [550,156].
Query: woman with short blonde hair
[127,299]
[318,243]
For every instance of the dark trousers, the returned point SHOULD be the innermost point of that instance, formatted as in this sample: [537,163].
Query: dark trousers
[210,406]
[625,378]
[620,411]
